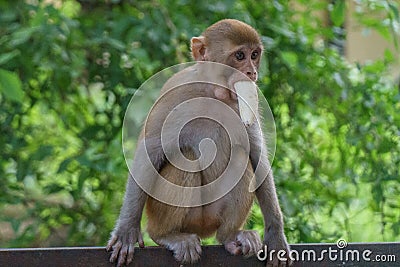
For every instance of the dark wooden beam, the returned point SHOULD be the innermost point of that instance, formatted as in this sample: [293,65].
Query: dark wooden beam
[211,256]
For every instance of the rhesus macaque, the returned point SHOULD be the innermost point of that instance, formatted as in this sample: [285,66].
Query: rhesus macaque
[180,227]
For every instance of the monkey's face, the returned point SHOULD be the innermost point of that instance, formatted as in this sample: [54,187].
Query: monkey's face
[245,58]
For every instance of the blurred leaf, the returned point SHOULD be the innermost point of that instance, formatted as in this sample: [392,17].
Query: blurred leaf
[4,58]
[43,152]
[116,44]
[290,58]
[64,165]
[338,13]
[395,9]
[389,56]
[11,86]
[21,36]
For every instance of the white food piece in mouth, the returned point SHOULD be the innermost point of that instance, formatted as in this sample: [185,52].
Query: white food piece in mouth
[248,101]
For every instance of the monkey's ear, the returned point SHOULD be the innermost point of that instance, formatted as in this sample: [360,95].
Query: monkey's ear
[198,46]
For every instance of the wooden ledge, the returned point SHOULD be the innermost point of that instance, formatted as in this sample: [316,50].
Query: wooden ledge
[379,254]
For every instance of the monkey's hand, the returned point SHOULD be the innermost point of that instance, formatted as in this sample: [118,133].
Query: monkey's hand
[276,240]
[122,243]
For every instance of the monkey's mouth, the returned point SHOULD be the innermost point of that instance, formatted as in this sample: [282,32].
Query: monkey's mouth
[248,101]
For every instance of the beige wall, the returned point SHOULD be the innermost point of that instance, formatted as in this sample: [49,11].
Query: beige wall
[363,44]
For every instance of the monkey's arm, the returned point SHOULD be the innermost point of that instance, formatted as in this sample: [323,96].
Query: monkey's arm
[274,236]
[265,192]
[127,229]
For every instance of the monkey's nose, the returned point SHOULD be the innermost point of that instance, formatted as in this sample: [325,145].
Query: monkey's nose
[252,75]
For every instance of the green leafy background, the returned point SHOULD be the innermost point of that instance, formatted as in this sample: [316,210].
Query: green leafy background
[69,69]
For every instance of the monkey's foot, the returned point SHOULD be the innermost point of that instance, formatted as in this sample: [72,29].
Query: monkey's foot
[247,243]
[186,247]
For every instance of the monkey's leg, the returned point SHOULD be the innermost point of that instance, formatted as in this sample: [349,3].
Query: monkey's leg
[186,247]
[238,241]
[164,226]
[127,229]
[166,223]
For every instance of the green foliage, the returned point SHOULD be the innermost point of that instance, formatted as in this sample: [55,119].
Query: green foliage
[68,71]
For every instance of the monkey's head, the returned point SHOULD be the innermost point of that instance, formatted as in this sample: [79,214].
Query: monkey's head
[230,42]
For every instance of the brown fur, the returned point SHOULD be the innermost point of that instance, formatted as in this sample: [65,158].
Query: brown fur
[237,32]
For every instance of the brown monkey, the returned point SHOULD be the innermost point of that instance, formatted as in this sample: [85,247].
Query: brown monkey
[179,222]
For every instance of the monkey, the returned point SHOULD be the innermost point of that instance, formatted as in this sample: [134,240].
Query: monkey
[180,220]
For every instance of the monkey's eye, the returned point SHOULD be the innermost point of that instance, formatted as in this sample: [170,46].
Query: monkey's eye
[239,55]
[254,55]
